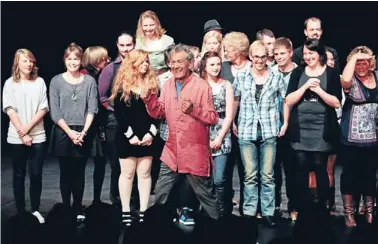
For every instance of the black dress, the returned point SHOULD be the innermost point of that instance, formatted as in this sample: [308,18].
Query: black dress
[133,114]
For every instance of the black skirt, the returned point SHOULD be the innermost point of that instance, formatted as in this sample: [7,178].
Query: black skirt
[62,146]
[126,150]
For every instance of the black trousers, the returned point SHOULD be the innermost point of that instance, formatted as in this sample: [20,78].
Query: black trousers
[285,159]
[98,177]
[359,170]
[202,187]
[72,180]
[20,155]
[182,194]
[235,160]
[306,161]
[116,171]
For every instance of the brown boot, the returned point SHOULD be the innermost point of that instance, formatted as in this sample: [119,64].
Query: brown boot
[349,210]
[369,208]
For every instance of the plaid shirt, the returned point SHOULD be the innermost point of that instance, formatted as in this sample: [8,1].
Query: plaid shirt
[266,111]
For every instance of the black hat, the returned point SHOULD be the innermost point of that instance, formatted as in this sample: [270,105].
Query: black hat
[211,25]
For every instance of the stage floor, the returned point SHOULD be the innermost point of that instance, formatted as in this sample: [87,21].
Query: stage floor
[51,195]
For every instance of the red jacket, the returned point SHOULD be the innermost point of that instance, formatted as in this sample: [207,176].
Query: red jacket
[187,148]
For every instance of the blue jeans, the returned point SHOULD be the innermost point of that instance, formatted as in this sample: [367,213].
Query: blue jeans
[221,182]
[258,157]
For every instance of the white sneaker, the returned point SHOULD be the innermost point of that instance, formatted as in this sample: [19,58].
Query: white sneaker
[80,217]
[39,217]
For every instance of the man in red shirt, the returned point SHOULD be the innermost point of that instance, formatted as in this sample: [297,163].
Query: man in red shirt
[186,102]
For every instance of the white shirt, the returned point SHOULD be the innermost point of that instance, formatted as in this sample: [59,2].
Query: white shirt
[26,98]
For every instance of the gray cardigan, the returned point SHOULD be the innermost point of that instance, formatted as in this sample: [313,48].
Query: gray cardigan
[62,106]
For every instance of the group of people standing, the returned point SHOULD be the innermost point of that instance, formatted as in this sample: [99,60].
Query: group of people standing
[260,106]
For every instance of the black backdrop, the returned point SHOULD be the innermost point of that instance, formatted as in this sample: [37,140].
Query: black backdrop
[46,28]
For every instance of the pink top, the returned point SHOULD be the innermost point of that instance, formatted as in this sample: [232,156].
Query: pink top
[187,149]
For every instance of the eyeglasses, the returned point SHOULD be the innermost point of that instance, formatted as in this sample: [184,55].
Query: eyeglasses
[259,57]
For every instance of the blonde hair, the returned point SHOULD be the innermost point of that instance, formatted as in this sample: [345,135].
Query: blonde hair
[237,40]
[209,35]
[366,50]
[128,76]
[159,31]
[93,56]
[16,70]
[257,45]
[73,48]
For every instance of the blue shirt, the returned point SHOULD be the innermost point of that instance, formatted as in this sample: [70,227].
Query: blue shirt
[178,87]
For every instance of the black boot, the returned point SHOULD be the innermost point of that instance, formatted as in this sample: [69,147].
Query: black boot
[220,191]
[331,201]
[314,195]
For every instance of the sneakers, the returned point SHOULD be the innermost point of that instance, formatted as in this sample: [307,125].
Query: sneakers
[39,217]
[186,216]
[80,217]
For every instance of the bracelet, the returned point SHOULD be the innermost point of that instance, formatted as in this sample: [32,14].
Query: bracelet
[85,132]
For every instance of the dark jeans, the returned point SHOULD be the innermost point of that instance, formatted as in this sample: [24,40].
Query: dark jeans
[72,180]
[221,183]
[306,161]
[359,170]
[285,158]
[116,171]
[235,160]
[20,155]
[202,187]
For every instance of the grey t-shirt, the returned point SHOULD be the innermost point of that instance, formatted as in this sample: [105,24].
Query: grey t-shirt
[311,113]
[63,106]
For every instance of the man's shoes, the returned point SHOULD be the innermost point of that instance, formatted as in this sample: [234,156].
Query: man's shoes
[269,221]
[258,216]
[278,212]
[186,216]
[80,215]
[39,217]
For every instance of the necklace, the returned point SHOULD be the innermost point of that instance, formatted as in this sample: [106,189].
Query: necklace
[74,96]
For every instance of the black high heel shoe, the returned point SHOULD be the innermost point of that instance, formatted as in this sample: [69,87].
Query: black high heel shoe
[126,218]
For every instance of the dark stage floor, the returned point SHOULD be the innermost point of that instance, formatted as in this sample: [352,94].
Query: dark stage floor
[51,195]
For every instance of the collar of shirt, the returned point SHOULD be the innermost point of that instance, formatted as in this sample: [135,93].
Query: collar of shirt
[118,60]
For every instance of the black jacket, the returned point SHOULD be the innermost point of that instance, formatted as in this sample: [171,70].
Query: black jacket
[331,130]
